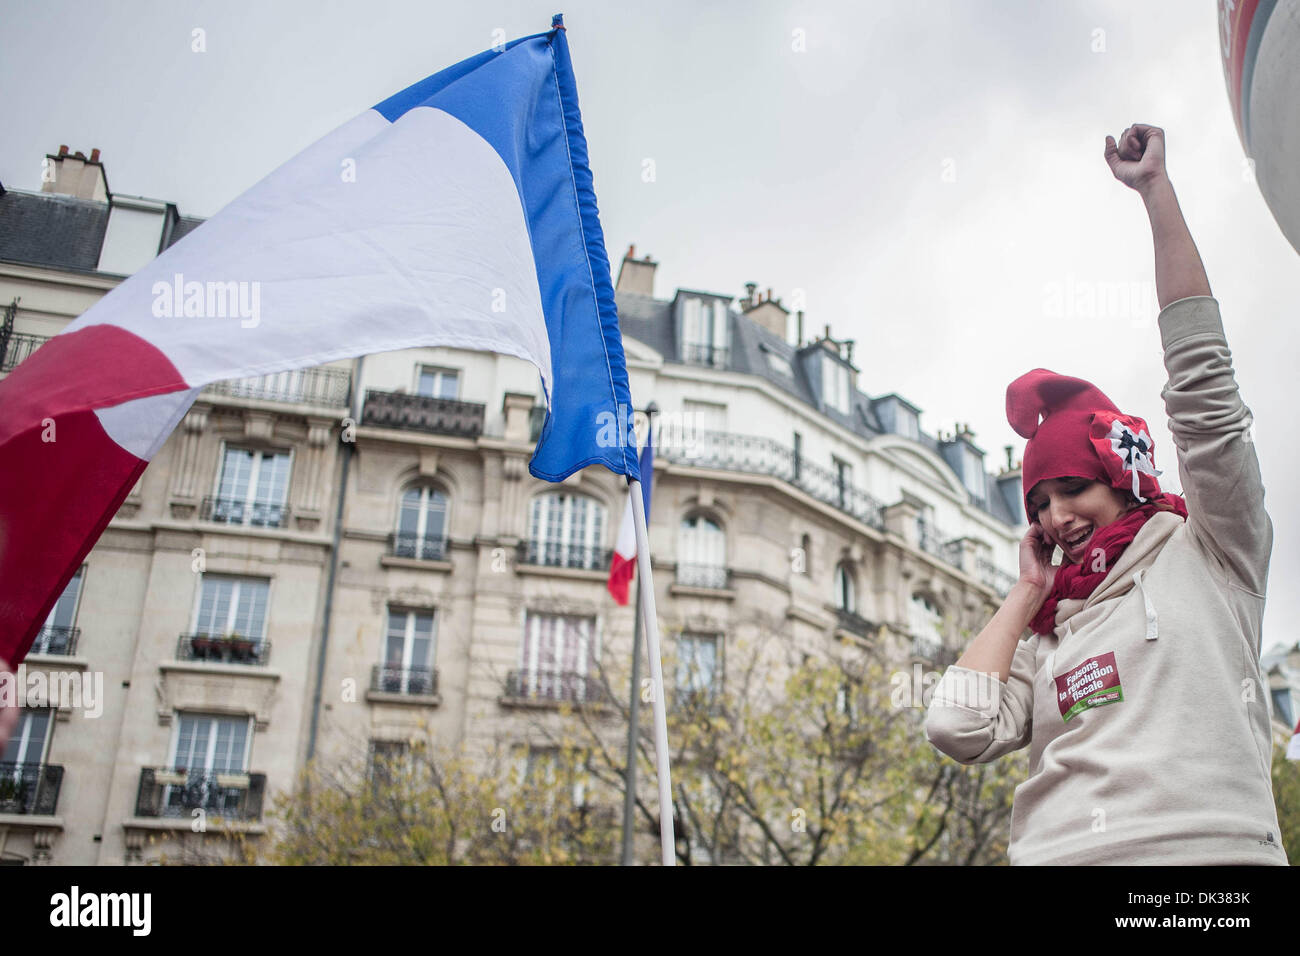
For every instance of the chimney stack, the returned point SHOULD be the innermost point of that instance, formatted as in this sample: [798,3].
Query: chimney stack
[75,175]
[766,311]
[636,275]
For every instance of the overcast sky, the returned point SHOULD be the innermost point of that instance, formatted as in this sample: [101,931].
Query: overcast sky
[926,176]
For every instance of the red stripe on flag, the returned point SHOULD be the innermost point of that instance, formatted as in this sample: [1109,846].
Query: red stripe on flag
[57,496]
[621,571]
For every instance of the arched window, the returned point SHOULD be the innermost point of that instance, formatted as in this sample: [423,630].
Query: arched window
[926,624]
[846,598]
[422,524]
[701,553]
[567,530]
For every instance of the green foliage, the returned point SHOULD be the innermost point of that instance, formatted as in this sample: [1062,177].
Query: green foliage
[1286,795]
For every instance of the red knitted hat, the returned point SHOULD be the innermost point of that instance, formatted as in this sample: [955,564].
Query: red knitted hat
[1081,433]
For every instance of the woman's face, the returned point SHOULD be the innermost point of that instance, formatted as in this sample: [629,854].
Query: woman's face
[1068,507]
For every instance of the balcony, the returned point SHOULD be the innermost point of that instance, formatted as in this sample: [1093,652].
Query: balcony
[17,347]
[703,576]
[932,649]
[256,514]
[405,544]
[55,639]
[853,623]
[710,355]
[423,413]
[30,788]
[553,687]
[302,386]
[755,455]
[935,542]
[224,649]
[416,681]
[558,554]
[177,793]
[994,577]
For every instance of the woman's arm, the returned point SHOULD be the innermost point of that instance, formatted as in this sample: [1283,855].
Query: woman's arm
[1210,424]
[1138,161]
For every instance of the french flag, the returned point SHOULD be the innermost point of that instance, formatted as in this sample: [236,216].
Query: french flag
[622,568]
[459,212]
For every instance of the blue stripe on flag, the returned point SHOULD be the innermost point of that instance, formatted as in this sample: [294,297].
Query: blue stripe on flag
[523,101]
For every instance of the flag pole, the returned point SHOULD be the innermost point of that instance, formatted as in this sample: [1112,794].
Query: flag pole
[646,590]
[633,731]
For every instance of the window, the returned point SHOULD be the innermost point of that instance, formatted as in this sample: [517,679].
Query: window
[704,417]
[845,596]
[973,473]
[778,363]
[438,382]
[542,767]
[926,624]
[211,743]
[558,658]
[232,606]
[213,752]
[835,385]
[422,524]
[798,454]
[907,424]
[27,743]
[701,553]
[704,333]
[253,488]
[59,636]
[388,758]
[409,647]
[697,665]
[843,480]
[567,530]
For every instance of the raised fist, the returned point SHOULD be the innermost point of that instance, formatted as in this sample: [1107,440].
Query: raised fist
[1138,159]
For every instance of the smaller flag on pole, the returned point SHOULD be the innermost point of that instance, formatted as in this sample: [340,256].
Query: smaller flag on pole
[623,566]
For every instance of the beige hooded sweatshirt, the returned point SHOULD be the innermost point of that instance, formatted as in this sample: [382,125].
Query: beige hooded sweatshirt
[1145,711]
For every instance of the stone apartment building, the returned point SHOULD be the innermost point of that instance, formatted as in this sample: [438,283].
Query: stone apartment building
[337,557]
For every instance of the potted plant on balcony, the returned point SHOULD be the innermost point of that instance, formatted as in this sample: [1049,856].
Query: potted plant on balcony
[204,645]
[233,781]
[241,646]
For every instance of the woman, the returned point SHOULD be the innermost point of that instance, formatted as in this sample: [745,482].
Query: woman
[1139,689]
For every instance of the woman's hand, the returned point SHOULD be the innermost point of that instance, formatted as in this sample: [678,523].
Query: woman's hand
[1036,568]
[1138,159]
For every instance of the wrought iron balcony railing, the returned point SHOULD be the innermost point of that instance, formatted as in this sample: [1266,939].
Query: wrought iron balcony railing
[556,686]
[935,542]
[995,577]
[699,354]
[703,576]
[753,454]
[17,347]
[56,639]
[933,649]
[228,649]
[258,514]
[853,623]
[439,416]
[408,545]
[307,386]
[178,792]
[562,555]
[404,680]
[30,788]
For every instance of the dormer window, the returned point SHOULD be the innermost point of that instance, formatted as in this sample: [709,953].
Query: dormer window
[704,332]
[907,424]
[835,385]
[973,472]
[777,363]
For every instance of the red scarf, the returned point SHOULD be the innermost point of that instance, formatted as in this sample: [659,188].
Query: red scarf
[1080,580]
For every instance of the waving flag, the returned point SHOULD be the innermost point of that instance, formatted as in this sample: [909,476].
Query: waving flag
[459,212]
[622,567]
